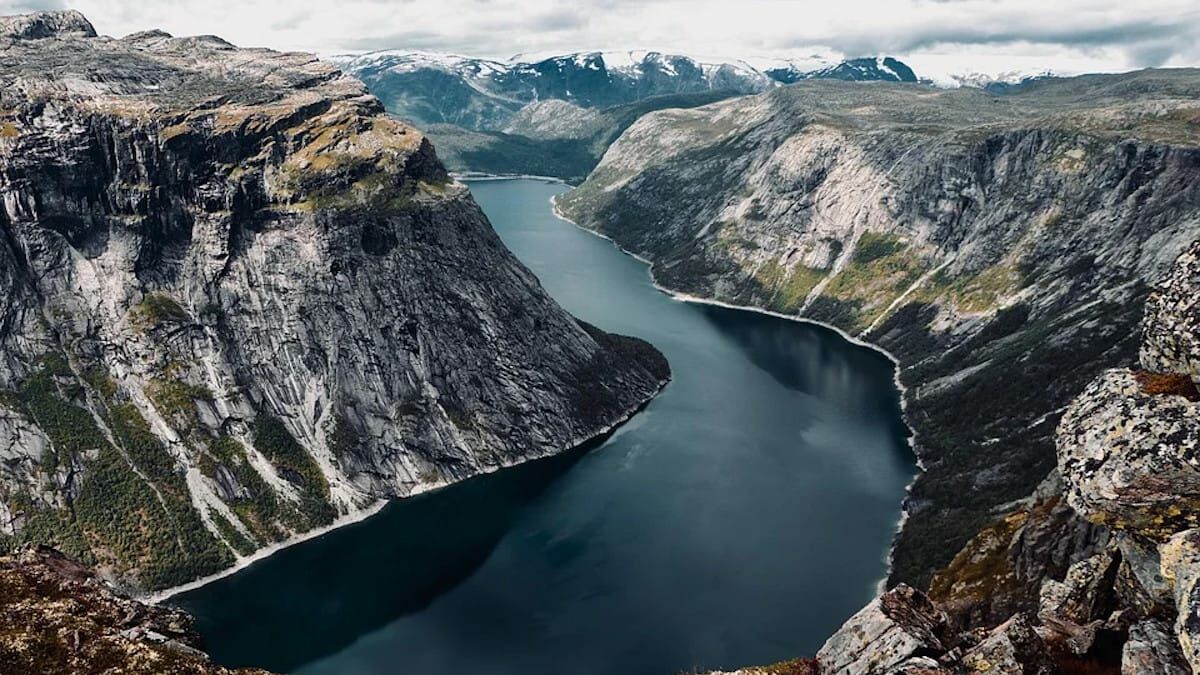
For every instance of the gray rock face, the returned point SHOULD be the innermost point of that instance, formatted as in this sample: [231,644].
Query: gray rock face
[1171,331]
[239,301]
[899,625]
[1181,568]
[1152,650]
[1127,452]
[1128,445]
[45,24]
[1000,248]
[1012,648]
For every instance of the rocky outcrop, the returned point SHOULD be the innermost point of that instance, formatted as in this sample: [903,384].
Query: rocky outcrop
[897,627]
[1130,454]
[238,302]
[1001,570]
[1001,247]
[57,617]
[1171,331]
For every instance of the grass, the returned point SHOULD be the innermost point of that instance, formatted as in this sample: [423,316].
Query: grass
[971,294]
[880,269]
[875,245]
[788,288]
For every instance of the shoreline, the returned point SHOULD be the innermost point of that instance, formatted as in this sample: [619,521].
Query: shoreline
[479,177]
[678,296]
[375,507]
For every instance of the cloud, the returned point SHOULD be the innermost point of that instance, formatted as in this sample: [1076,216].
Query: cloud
[1066,35]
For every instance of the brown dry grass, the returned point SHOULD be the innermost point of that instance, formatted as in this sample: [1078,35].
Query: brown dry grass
[1163,384]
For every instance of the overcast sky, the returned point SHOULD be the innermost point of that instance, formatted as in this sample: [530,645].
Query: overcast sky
[989,36]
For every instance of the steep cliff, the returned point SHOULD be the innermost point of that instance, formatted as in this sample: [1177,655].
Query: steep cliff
[1001,247]
[238,302]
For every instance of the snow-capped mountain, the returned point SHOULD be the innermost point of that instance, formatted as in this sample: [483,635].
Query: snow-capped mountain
[483,94]
[999,82]
[878,69]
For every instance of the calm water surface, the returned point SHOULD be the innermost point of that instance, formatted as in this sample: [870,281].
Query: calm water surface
[738,520]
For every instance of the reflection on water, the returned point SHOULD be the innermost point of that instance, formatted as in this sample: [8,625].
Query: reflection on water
[303,598]
[739,519]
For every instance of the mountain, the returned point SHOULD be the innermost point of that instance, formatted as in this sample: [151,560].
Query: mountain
[480,94]
[881,69]
[556,116]
[242,303]
[483,95]
[1002,249]
[551,137]
[1000,83]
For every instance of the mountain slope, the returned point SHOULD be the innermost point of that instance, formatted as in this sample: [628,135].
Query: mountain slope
[240,302]
[1001,248]
[551,137]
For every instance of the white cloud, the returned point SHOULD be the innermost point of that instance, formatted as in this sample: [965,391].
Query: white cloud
[983,35]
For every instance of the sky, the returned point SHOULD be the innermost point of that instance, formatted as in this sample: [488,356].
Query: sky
[933,36]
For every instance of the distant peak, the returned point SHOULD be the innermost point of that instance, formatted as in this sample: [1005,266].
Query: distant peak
[39,25]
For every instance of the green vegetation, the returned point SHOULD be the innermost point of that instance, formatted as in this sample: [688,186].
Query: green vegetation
[44,525]
[259,511]
[881,268]
[342,439]
[788,288]
[176,400]
[157,309]
[231,534]
[980,292]
[459,417]
[44,399]
[273,440]
[875,245]
[117,518]
[198,553]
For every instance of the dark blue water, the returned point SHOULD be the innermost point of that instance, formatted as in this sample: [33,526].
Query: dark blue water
[738,520]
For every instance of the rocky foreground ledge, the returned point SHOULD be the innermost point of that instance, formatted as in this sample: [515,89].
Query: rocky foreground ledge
[239,302]
[59,618]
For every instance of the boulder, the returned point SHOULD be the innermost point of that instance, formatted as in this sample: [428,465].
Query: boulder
[900,625]
[1013,647]
[1171,328]
[1181,568]
[1152,650]
[1130,458]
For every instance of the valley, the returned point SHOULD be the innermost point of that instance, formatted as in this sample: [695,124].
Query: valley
[902,378]
[769,426]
